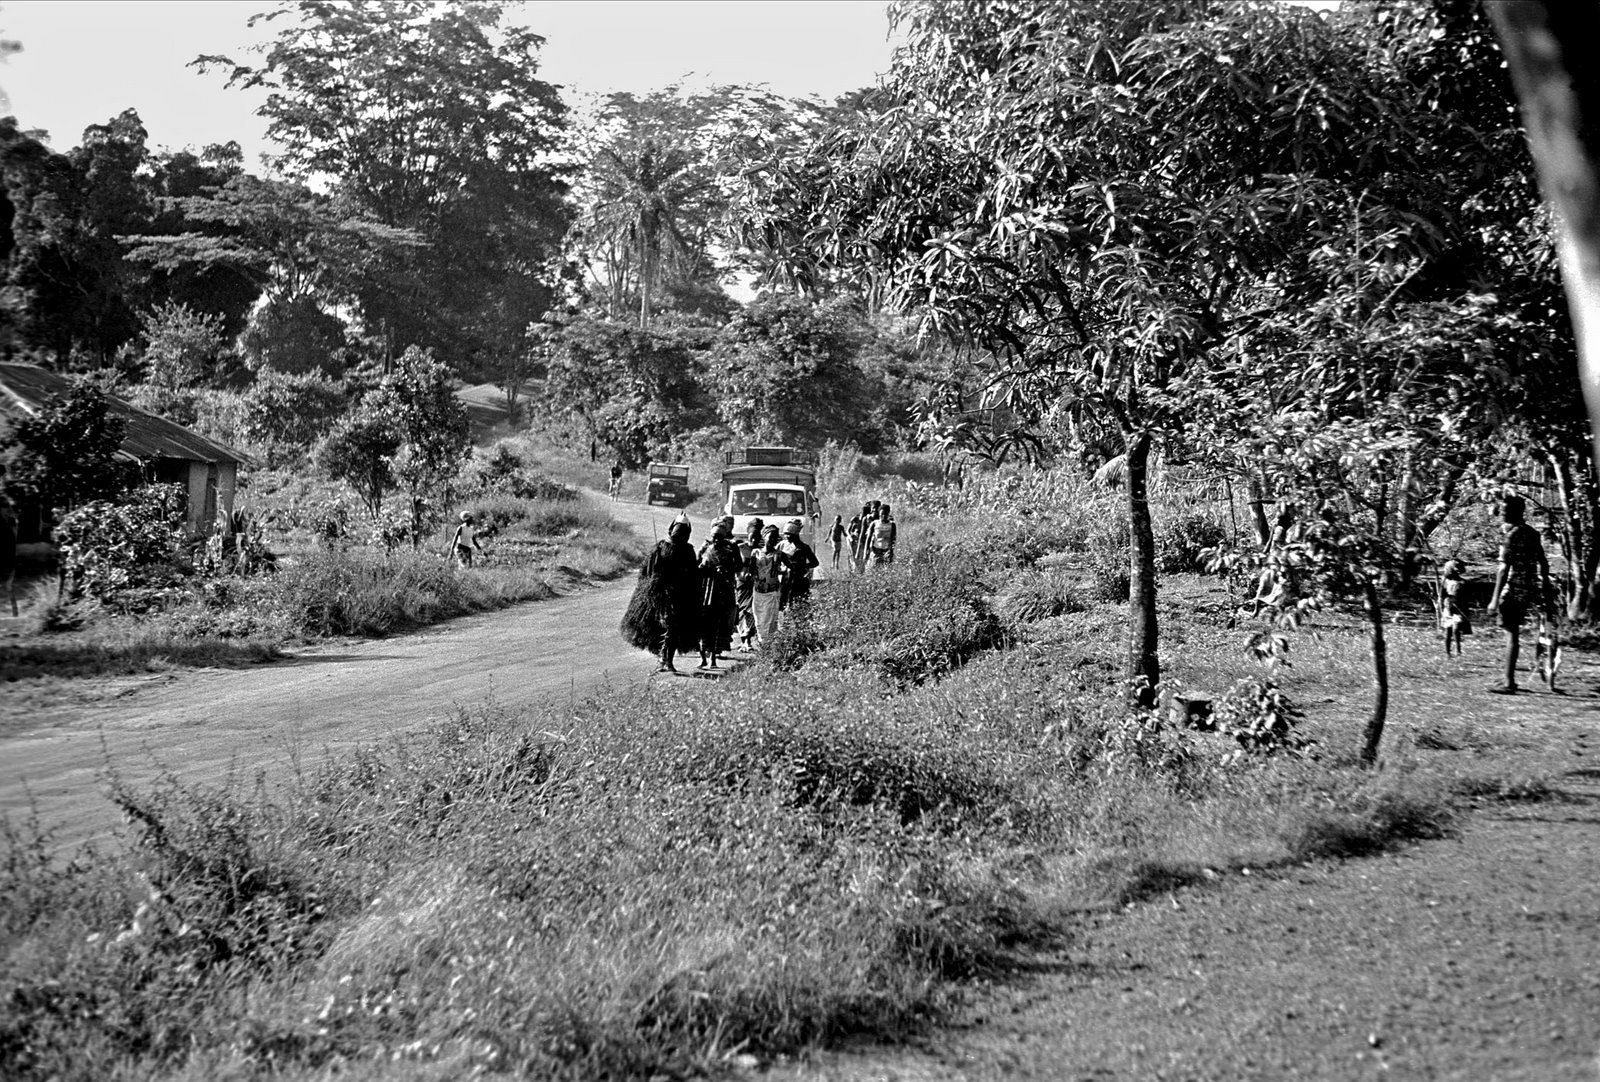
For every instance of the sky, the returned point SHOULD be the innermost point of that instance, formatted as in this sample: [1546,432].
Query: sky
[85,61]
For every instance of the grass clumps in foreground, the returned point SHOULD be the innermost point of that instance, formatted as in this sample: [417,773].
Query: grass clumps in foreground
[665,880]
[821,846]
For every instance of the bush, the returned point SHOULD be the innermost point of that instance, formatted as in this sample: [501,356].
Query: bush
[287,413]
[504,473]
[110,549]
[1181,542]
[1106,559]
[1259,716]
[1032,596]
[911,622]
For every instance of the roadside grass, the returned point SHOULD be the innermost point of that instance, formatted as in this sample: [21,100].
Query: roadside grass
[536,549]
[921,779]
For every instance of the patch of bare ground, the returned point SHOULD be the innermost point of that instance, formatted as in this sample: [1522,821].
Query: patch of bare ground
[1475,957]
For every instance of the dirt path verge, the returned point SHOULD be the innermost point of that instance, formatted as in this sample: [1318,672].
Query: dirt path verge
[198,724]
[1474,958]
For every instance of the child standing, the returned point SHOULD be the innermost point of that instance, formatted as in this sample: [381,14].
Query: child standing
[1452,609]
[836,536]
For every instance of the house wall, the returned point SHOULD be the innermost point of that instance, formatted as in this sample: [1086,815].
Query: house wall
[211,491]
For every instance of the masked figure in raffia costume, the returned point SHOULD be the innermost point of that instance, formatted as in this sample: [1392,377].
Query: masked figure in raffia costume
[664,614]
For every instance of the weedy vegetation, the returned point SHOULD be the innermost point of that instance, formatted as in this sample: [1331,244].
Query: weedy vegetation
[933,769]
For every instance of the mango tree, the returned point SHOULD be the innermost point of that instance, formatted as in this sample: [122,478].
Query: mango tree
[1104,200]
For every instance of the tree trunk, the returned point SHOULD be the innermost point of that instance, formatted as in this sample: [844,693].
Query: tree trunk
[1410,550]
[1380,675]
[1144,666]
[1258,509]
[1547,45]
[1579,514]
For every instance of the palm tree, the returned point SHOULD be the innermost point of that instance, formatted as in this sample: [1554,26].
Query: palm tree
[651,199]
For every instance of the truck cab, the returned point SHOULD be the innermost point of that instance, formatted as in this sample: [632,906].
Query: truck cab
[774,484]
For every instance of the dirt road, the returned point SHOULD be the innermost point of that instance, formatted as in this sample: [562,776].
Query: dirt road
[199,723]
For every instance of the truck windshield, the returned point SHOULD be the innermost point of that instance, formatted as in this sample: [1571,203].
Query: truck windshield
[766,501]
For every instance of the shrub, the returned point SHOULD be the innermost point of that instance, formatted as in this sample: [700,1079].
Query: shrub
[1106,560]
[911,622]
[287,412]
[109,549]
[1181,542]
[1257,714]
[1032,596]
[504,473]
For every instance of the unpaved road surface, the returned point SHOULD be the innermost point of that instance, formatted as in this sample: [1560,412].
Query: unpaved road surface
[1470,959]
[198,724]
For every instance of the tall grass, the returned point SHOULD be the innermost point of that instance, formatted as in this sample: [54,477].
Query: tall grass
[822,846]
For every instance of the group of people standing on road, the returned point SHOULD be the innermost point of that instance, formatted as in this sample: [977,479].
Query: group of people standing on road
[688,600]
[871,536]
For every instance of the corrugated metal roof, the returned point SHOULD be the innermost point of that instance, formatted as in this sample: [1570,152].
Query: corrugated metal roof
[27,387]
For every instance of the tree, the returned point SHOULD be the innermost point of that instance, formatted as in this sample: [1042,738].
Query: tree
[632,387]
[786,369]
[429,118]
[1560,97]
[183,348]
[68,453]
[308,253]
[1102,198]
[434,435]
[70,289]
[287,413]
[359,451]
[648,200]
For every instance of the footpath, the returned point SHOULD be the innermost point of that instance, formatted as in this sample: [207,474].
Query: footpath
[1471,959]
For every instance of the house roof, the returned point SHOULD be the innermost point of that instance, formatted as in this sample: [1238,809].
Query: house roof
[27,387]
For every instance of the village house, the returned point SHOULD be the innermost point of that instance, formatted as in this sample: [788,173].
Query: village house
[165,452]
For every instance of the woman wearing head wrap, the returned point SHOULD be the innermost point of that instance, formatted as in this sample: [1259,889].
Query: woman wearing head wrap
[664,613]
[801,560]
[719,563]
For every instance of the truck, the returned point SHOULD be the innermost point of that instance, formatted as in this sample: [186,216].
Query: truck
[668,484]
[774,484]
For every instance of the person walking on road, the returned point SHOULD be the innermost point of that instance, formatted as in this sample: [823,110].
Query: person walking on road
[836,536]
[719,564]
[801,561]
[1521,583]
[663,615]
[881,538]
[766,585]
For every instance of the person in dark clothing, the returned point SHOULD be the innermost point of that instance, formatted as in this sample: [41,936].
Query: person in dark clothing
[801,560]
[719,565]
[1521,583]
[664,613]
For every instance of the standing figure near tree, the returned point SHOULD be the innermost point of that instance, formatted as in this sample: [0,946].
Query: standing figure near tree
[719,565]
[664,613]
[465,541]
[1521,583]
